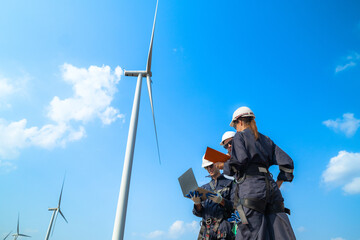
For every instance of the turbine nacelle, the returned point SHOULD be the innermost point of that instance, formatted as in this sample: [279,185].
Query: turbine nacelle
[136,73]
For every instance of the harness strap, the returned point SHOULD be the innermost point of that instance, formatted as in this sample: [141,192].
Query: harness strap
[207,235]
[202,230]
[215,227]
[212,185]
[239,207]
[254,203]
[277,207]
[259,205]
[242,215]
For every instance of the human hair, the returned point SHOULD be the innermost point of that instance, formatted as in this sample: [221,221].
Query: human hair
[249,122]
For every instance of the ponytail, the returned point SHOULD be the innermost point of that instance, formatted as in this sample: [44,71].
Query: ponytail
[253,128]
[250,122]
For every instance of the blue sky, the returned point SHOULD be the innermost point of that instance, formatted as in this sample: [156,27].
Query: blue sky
[65,107]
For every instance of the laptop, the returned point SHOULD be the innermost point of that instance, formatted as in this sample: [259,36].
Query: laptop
[188,183]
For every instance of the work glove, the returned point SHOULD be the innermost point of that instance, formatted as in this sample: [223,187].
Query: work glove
[215,197]
[235,217]
[195,196]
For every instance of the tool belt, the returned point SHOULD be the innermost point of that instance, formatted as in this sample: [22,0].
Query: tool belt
[261,205]
[206,226]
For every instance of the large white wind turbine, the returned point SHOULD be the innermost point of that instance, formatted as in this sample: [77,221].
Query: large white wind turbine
[18,234]
[56,211]
[119,225]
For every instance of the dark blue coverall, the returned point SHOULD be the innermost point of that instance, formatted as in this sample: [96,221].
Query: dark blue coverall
[256,189]
[214,216]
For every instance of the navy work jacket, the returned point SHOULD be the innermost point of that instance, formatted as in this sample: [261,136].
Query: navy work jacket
[210,209]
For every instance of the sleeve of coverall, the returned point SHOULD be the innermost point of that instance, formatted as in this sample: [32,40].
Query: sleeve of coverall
[229,199]
[286,164]
[198,213]
[238,158]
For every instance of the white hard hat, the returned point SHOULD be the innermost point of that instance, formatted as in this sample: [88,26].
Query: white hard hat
[241,112]
[226,135]
[205,162]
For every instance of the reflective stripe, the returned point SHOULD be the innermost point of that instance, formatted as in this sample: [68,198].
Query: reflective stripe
[263,170]
[242,215]
[287,170]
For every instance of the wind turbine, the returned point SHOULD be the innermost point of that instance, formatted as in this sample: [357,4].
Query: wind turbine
[18,234]
[119,225]
[7,235]
[56,211]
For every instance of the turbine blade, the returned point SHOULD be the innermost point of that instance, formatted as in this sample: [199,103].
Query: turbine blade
[23,235]
[52,232]
[148,65]
[148,80]
[63,216]
[7,235]
[62,187]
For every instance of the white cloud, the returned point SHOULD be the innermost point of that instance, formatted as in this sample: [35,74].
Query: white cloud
[179,228]
[340,68]
[338,238]
[16,136]
[353,187]
[6,88]
[351,62]
[11,88]
[348,125]
[175,231]
[344,170]
[94,89]
[6,167]
[155,234]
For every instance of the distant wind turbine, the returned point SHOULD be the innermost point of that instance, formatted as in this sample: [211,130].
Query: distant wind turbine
[119,225]
[18,234]
[7,235]
[56,211]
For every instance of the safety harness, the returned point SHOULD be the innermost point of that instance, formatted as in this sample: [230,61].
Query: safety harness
[260,205]
[206,226]
[214,222]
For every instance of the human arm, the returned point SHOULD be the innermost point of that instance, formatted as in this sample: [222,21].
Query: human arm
[223,195]
[219,165]
[286,165]
[239,156]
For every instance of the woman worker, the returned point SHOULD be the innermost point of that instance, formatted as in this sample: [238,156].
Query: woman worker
[258,198]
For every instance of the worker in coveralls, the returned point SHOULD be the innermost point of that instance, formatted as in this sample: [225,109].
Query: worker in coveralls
[216,208]
[258,199]
[226,141]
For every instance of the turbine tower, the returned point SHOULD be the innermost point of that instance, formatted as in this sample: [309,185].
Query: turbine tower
[119,225]
[55,213]
[18,234]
